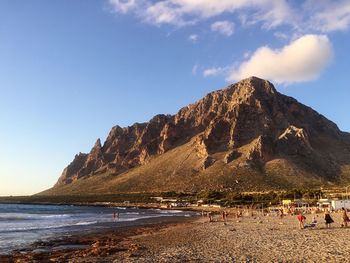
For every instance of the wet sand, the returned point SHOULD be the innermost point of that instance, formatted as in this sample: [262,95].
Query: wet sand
[246,239]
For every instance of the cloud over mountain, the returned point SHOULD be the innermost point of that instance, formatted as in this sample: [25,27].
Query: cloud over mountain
[306,23]
[301,60]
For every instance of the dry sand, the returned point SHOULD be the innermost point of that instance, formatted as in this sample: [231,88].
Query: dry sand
[268,239]
[247,239]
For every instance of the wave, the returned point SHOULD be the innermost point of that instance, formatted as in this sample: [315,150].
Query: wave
[170,211]
[56,216]
[30,228]
[135,218]
[85,223]
[163,211]
[23,216]
[17,222]
[131,213]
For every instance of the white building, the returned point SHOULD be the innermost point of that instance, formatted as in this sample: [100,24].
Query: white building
[324,203]
[338,204]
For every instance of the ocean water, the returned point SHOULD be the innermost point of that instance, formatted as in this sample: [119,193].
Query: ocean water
[21,224]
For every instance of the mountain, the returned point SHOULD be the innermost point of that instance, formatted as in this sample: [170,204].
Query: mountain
[245,137]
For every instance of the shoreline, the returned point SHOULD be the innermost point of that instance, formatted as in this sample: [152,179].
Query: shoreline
[92,245]
[139,205]
[193,239]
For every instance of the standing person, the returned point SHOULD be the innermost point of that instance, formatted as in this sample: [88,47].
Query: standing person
[115,216]
[301,218]
[224,216]
[345,217]
[210,216]
[281,213]
[328,218]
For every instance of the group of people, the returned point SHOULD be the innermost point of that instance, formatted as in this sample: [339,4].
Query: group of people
[300,217]
[327,217]
[210,215]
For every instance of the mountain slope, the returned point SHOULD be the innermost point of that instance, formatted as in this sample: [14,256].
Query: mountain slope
[245,137]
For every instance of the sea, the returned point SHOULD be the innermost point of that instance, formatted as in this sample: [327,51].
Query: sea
[24,224]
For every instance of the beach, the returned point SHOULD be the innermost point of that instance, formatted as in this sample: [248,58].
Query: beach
[244,239]
[267,239]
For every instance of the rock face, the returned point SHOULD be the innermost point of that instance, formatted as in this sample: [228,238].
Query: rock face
[248,124]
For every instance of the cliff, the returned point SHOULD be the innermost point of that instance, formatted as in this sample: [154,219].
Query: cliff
[247,136]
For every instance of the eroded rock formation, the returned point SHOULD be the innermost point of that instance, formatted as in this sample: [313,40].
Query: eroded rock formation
[249,122]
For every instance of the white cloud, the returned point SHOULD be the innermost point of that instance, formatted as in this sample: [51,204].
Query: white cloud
[162,12]
[310,16]
[224,27]
[195,69]
[281,36]
[185,12]
[124,6]
[214,71]
[328,16]
[180,12]
[193,38]
[246,54]
[301,60]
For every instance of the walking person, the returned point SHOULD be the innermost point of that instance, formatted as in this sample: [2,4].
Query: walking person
[301,218]
[224,215]
[281,213]
[210,216]
[345,217]
[327,217]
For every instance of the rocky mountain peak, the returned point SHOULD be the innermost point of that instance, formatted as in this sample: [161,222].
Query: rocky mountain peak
[246,125]
[250,87]
[97,147]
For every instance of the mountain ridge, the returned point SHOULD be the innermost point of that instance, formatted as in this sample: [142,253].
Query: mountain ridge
[247,126]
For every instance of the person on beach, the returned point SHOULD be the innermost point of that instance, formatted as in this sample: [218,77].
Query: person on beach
[345,217]
[301,218]
[210,216]
[224,215]
[314,219]
[281,213]
[328,218]
[312,224]
[115,216]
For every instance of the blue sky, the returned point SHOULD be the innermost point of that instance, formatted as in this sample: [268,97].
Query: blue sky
[70,70]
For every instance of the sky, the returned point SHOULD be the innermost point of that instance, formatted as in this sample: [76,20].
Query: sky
[71,70]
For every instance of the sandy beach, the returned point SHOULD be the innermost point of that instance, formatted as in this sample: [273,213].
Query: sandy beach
[267,239]
[246,239]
